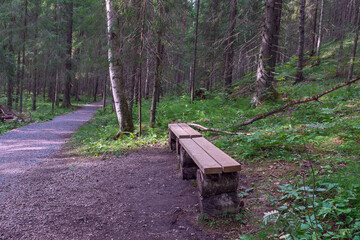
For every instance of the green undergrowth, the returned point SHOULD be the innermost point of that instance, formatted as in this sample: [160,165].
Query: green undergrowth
[96,137]
[42,113]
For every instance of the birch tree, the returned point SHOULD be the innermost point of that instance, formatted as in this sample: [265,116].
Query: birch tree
[115,70]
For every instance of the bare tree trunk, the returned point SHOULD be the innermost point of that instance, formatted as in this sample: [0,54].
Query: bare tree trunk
[320,31]
[300,63]
[23,56]
[180,71]
[104,93]
[68,65]
[116,78]
[264,89]
[18,75]
[35,64]
[157,80]
[139,70]
[229,52]
[10,74]
[352,60]
[313,37]
[96,88]
[192,88]
[275,41]
[146,90]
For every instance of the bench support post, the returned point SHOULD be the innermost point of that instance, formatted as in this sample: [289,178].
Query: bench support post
[217,193]
[172,141]
[187,166]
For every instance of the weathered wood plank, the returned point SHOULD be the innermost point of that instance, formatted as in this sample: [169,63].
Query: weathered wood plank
[205,162]
[193,133]
[178,131]
[228,164]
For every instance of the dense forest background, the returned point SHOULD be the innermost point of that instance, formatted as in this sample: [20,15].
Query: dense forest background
[57,49]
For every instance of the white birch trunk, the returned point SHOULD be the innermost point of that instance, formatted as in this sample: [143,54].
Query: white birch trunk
[115,71]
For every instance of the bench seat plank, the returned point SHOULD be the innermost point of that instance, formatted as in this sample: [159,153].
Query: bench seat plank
[228,164]
[178,131]
[205,162]
[190,130]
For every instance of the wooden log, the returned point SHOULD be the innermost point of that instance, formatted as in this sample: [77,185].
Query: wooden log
[215,184]
[220,204]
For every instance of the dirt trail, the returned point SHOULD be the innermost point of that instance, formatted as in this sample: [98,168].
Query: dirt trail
[46,194]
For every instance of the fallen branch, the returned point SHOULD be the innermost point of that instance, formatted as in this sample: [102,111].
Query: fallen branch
[295,102]
[202,128]
[6,115]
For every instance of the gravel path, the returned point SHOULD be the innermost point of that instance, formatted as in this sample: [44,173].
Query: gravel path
[22,147]
[46,193]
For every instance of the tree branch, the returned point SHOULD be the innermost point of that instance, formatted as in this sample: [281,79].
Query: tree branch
[215,130]
[295,102]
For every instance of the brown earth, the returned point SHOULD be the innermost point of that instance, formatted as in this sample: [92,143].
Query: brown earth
[138,196]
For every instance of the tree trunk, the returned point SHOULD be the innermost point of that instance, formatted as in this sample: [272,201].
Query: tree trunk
[192,86]
[23,56]
[320,31]
[300,63]
[35,62]
[147,87]
[96,88]
[115,71]
[275,41]
[179,76]
[10,74]
[104,93]
[353,55]
[157,79]
[313,37]
[68,65]
[140,53]
[229,52]
[264,89]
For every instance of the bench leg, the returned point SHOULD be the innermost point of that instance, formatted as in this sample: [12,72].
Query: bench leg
[177,146]
[217,193]
[187,165]
[172,141]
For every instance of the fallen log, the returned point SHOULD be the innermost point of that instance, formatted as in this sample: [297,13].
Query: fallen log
[6,115]
[202,128]
[282,108]
[296,102]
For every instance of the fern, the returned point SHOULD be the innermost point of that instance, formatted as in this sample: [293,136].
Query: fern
[271,216]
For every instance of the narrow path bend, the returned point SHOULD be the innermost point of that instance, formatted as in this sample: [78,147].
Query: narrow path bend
[22,147]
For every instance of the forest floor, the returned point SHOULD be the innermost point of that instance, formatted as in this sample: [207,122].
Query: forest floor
[47,192]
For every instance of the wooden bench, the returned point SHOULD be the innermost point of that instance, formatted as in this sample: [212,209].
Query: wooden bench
[178,131]
[216,173]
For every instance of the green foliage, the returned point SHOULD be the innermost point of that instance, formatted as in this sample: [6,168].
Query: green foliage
[330,211]
[95,138]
